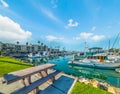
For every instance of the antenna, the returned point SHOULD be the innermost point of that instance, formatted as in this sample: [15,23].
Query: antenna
[85,46]
[109,45]
[116,39]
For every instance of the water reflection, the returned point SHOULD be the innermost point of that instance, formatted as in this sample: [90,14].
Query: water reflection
[108,76]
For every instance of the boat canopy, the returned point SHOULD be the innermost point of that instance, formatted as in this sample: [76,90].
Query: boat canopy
[94,48]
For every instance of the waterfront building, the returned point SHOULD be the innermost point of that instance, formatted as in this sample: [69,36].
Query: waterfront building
[45,48]
[21,49]
[8,48]
[1,46]
[35,48]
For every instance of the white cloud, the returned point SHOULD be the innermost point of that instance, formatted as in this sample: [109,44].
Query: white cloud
[93,28]
[89,36]
[85,35]
[4,3]
[45,11]
[71,24]
[49,14]
[97,37]
[11,31]
[54,38]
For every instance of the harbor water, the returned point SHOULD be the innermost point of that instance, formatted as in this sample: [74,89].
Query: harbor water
[109,76]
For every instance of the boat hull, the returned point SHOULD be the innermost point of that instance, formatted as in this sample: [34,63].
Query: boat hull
[110,66]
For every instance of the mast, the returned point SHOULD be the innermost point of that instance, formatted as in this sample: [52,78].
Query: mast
[86,47]
[116,39]
[109,46]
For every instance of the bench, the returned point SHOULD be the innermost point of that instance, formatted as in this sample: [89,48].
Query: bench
[34,86]
[26,74]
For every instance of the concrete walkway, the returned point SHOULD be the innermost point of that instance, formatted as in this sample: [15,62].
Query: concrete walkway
[62,85]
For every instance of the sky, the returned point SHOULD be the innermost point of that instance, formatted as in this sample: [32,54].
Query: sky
[68,24]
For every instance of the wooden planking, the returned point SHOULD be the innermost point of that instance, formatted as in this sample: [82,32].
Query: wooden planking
[35,84]
[14,76]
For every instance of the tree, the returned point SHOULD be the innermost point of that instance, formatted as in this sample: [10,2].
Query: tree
[27,43]
[27,47]
[18,42]
[116,50]
[38,42]
[17,46]
[42,44]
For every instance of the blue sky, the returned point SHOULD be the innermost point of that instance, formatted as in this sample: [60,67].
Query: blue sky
[64,23]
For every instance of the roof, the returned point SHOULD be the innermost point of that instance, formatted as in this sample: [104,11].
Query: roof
[95,48]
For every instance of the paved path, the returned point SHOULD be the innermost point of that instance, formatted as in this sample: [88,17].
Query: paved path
[60,86]
[7,89]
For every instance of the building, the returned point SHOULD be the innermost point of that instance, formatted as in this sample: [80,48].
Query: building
[1,46]
[20,49]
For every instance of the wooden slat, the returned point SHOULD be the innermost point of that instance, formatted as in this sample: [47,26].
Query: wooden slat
[14,76]
[35,84]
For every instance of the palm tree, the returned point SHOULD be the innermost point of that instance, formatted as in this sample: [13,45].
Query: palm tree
[42,44]
[17,46]
[38,42]
[27,47]
[27,43]
[38,45]
[17,42]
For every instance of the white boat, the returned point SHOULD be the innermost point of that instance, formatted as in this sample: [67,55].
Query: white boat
[34,56]
[96,62]
[117,70]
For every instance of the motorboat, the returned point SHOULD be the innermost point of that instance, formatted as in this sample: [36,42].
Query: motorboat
[96,61]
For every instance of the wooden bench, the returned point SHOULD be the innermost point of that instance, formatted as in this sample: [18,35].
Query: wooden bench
[34,86]
[25,74]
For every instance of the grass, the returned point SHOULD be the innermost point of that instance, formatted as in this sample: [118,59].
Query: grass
[81,88]
[8,64]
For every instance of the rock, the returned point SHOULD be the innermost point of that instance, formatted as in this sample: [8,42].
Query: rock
[82,80]
[87,82]
[111,89]
[118,90]
[94,83]
[102,86]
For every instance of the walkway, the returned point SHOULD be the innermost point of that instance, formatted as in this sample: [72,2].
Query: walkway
[61,86]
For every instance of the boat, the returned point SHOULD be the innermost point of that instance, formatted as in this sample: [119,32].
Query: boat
[96,64]
[97,60]
[31,55]
[117,70]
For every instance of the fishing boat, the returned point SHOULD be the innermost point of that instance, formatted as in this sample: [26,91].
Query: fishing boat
[95,64]
[97,60]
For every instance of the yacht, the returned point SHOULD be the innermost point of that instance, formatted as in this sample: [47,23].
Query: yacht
[97,59]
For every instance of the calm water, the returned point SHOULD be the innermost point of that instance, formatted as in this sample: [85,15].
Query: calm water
[108,76]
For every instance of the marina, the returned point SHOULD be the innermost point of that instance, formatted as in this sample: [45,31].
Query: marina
[97,58]
[60,47]
[109,76]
